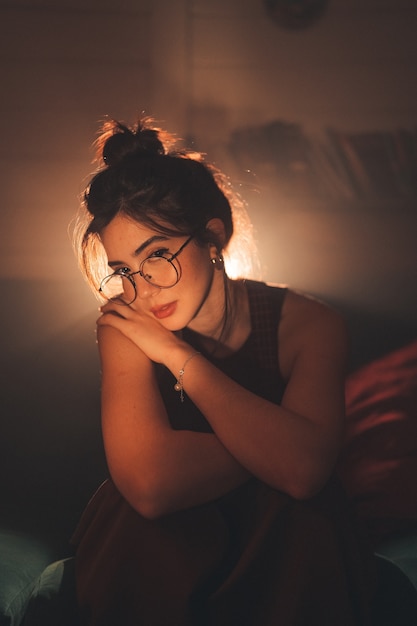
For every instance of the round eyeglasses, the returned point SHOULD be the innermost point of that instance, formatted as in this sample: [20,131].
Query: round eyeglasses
[158,270]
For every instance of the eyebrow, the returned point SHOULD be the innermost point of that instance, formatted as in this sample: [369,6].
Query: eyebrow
[141,248]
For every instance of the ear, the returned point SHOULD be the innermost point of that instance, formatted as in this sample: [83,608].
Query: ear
[216,227]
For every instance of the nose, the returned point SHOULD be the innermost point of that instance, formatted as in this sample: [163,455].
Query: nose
[143,288]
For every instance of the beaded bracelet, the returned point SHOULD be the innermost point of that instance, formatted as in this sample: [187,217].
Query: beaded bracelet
[179,384]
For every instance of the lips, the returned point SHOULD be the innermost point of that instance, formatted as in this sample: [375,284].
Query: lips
[166,310]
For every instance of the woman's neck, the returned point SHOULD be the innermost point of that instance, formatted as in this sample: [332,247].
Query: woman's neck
[224,327]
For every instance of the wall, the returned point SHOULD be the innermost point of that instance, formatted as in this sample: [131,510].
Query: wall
[354,68]
[204,70]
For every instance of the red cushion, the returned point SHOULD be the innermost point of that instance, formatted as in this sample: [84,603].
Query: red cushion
[378,464]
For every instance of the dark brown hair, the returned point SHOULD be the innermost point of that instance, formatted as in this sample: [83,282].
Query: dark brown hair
[143,175]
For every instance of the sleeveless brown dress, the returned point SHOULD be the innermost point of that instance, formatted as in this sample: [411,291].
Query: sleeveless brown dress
[255,557]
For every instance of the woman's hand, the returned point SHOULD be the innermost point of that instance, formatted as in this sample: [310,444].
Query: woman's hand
[141,328]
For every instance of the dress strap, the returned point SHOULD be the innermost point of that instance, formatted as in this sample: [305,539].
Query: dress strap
[265,302]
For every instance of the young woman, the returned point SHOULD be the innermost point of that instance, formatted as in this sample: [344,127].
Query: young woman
[222,414]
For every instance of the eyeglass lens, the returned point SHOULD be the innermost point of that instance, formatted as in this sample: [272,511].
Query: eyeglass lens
[157,271]
[118,288]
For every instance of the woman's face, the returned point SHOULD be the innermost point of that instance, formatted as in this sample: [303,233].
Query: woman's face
[196,295]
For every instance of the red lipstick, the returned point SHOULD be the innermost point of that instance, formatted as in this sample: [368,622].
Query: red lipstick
[166,310]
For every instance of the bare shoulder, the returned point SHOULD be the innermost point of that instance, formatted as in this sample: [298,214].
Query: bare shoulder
[303,312]
[309,326]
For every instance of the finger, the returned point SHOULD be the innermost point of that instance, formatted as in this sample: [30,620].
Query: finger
[110,318]
[111,306]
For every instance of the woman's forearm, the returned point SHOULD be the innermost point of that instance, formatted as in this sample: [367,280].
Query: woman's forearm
[293,446]
[182,469]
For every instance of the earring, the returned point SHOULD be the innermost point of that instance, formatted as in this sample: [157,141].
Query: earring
[218,262]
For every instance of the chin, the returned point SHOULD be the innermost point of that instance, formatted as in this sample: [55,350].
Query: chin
[174,325]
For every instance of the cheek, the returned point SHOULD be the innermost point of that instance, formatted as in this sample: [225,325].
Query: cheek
[196,282]
[198,263]
[200,274]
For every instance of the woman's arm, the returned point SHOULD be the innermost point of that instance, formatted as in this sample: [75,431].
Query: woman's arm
[292,447]
[157,469]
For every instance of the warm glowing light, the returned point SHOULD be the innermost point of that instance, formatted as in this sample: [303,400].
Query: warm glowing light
[239,266]
[234,268]
[241,256]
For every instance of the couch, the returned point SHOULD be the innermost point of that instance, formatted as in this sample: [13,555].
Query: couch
[378,467]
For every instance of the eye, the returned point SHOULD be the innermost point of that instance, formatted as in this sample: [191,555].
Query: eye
[122,271]
[159,253]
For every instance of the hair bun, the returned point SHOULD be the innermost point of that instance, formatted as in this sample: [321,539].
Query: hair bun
[118,142]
